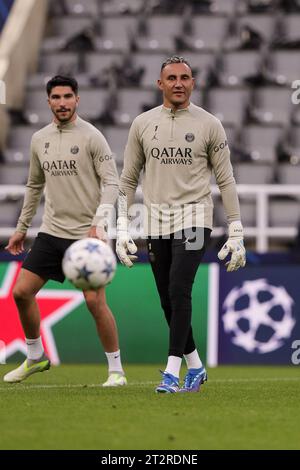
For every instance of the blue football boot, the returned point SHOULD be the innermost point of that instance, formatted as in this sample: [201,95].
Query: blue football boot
[194,379]
[169,383]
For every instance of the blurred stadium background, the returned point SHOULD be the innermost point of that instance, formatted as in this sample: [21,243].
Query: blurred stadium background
[246,60]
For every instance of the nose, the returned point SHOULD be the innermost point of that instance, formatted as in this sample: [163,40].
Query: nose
[178,83]
[62,102]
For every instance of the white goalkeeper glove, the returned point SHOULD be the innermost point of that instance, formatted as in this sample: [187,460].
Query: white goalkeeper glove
[234,245]
[125,244]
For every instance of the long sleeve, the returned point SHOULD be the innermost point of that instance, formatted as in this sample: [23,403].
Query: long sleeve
[34,190]
[105,168]
[220,159]
[134,160]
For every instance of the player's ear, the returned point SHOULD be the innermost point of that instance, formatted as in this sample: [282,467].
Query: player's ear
[159,84]
[77,100]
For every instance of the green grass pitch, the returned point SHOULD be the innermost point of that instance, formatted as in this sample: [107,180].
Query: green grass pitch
[238,408]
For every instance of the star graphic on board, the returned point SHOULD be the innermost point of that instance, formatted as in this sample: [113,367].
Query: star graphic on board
[54,305]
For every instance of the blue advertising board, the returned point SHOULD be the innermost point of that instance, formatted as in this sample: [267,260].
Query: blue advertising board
[259,315]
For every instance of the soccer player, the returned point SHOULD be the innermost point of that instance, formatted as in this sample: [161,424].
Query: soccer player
[73,161]
[177,145]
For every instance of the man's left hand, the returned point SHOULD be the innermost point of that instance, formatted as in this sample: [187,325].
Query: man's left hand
[234,245]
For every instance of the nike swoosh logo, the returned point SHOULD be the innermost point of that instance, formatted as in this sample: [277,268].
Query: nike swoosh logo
[34,366]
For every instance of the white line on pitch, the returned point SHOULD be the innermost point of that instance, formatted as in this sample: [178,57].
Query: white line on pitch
[21,387]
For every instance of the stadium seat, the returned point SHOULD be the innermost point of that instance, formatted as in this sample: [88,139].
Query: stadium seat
[288,150]
[286,65]
[117,138]
[9,211]
[249,173]
[272,105]
[231,134]
[247,208]
[248,212]
[161,31]
[260,142]
[290,28]
[208,32]
[83,7]
[97,62]
[236,66]
[12,174]
[224,7]
[284,213]
[20,137]
[15,156]
[116,33]
[68,26]
[289,174]
[39,80]
[130,101]
[263,24]
[37,219]
[115,7]
[151,64]
[228,104]
[53,63]
[201,63]
[53,44]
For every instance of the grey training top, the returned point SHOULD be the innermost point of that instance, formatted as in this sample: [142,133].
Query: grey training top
[177,152]
[74,163]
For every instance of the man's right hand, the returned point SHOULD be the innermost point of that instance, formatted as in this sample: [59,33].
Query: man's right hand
[16,243]
[125,244]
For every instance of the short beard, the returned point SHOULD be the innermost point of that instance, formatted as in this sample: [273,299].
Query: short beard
[63,120]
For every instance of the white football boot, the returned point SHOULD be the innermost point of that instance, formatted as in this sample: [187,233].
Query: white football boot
[115,379]
[28,368]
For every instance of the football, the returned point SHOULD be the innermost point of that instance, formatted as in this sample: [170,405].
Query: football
[89,264]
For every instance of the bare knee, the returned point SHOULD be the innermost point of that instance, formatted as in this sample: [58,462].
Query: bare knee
[96,306]
[27,286]
[22,294]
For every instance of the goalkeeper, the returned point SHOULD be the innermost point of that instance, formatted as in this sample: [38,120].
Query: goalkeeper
[177,145]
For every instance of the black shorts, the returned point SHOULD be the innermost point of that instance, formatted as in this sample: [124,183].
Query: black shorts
[45,256]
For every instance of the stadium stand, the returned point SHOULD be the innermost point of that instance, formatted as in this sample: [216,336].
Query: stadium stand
[245,57]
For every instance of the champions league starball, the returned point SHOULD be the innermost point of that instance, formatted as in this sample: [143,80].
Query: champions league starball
[89,264]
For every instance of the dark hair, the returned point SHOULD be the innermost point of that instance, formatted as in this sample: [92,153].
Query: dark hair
[175,59]
[61,80]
